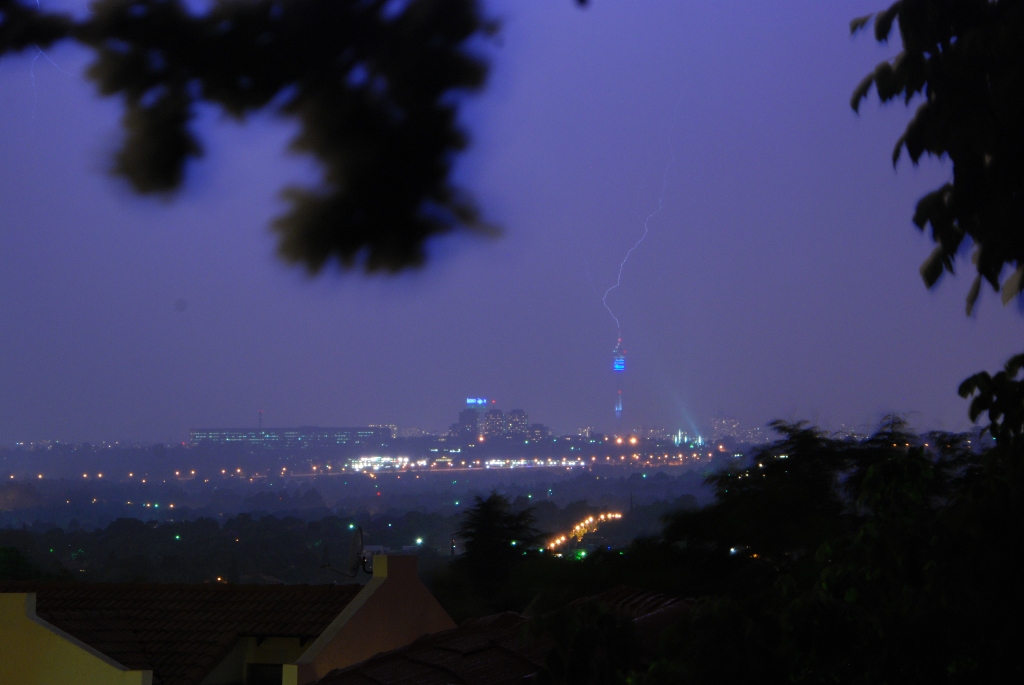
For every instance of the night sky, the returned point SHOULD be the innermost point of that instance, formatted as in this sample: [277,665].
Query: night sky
[779,279]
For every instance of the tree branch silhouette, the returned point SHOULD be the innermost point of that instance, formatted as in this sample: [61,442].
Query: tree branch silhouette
[373,85]
[965,61]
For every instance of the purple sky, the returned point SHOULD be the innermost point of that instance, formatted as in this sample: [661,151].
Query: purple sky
[779,280]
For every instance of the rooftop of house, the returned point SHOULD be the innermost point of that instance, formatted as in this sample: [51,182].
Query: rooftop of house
[487,650]
[181,632]
[495,650]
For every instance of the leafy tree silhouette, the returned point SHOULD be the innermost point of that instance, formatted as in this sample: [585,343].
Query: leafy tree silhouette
[887,560]
[373,85]
[965,60]
[495,539]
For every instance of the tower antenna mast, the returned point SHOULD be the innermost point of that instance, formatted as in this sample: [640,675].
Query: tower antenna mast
[618,367]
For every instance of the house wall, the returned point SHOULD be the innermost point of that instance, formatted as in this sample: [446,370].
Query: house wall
[391,611]
[231,669]
[249,650]
[33,652]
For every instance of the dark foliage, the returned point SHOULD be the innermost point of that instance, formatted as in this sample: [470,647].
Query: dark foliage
[244,549]
[965,59]
[14,566]
[782,505]
[1002,396]
[591,645]
[371,83]
[893,559]
[908,576]
[495,539]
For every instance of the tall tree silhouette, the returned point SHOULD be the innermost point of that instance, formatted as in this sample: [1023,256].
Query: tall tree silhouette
[495,538]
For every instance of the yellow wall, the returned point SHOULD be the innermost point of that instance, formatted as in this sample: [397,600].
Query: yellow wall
[32,652]
[271,650]
[391,611]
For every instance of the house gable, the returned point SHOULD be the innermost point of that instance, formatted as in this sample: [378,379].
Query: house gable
[34,652]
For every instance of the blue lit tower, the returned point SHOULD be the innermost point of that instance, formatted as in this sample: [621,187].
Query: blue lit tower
[618,367]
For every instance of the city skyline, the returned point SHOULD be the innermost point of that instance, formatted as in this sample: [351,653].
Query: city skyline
[485,417]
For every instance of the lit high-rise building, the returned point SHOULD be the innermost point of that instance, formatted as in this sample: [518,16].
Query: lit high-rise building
[495,423]
[518,422]
[468,426]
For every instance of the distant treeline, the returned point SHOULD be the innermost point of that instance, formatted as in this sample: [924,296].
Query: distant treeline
[267,549]
[94,502]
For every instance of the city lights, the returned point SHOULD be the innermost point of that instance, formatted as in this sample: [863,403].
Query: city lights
[376,463]
[587,525]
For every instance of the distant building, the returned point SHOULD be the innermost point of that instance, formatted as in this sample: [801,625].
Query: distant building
[291,438]
[468,426]
[682,438]
[652,433]
[482,418]
[538,431]
[390,427]
[414,432]
[722,428]
[518,422]
[135,634]
[495,424]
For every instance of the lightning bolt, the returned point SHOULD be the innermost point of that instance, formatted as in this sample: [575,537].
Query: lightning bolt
[32,70]
[32,73]
[647,229]
[56,66]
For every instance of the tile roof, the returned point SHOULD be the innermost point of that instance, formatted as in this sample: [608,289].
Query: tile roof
[489,650]
[636,604]
[181,632]
[651,613]
[494,650]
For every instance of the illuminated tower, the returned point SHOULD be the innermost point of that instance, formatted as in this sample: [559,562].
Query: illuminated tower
[618,367]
